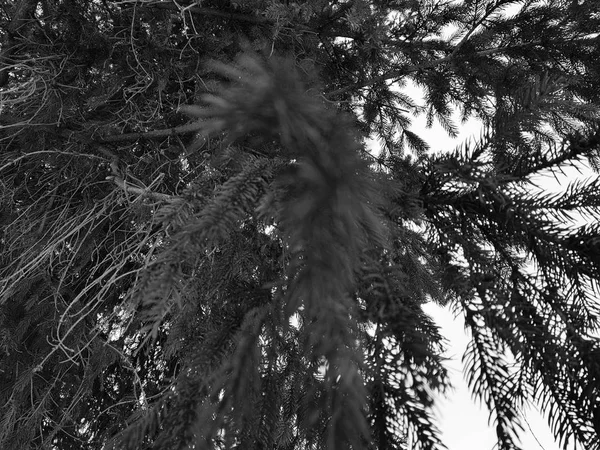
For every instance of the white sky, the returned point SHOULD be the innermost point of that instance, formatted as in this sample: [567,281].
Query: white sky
[463,423]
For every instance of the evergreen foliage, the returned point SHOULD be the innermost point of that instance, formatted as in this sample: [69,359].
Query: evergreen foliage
[199,251]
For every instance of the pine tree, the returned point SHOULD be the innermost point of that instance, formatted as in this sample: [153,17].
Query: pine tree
[199,250]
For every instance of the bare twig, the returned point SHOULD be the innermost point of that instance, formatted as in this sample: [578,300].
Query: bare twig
[183,129]
[129,188]
[58,152]
[23,10]
[204,11]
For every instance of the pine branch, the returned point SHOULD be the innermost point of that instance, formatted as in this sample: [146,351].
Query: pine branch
[406,70]
[489,10]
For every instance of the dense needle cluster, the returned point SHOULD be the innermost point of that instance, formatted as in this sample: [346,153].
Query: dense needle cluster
[197,249]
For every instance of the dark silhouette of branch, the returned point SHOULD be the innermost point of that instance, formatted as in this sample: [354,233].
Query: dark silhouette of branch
[417,67]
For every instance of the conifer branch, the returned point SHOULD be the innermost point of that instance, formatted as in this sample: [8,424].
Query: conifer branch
[277,302]
[406,70]
[488,12]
